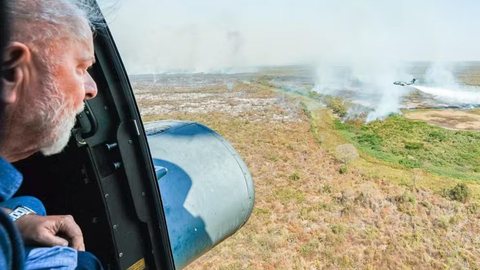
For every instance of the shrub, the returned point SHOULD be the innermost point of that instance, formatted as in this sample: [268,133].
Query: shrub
[410,163]
[337,105]
[460,193]
[339,125]
[413,145]
[326,188]
[294,176]
[313,95]
[406,203]
[473,208]
[310,248]
[406,197]
[371,140]
[338,228]
[436,135]
[343,169]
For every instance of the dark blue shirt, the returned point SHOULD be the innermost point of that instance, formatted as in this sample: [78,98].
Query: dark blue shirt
[11,246]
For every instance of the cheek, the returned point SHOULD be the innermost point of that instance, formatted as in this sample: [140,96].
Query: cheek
[76,91]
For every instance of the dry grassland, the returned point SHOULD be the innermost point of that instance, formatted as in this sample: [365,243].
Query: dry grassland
[313,211]
[451,119]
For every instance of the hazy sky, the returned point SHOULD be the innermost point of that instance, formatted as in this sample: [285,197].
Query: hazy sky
[211,35]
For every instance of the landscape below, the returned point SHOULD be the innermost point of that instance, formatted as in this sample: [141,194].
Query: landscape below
[332,192]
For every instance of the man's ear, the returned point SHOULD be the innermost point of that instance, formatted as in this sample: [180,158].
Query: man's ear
[15,64]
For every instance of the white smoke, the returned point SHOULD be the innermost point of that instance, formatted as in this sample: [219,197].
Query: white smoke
[441,83]
[372,38]
[440,74]
[368,84]
[188,35]
[460,96]
[371,86]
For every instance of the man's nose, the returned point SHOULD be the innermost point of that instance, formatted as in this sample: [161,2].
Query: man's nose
[90,87]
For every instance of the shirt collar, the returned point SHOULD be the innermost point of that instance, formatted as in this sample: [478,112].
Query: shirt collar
[10,180]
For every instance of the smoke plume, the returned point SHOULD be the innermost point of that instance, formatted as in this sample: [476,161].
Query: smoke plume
[360,46]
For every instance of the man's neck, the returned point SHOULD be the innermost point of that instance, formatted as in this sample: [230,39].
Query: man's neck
[17,142]
[13,152]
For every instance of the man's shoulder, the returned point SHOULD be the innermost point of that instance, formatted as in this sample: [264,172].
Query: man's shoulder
[10,180]
[5,251]
[11,246]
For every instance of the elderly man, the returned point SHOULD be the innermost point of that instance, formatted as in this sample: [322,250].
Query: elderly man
[45,82]
[10,249]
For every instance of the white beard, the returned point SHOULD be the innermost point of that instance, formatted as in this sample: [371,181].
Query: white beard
[61,133]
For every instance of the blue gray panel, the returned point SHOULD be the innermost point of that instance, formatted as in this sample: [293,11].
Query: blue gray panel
[207,190]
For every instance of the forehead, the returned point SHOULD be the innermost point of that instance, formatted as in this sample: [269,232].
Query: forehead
[86,47]
[79,49]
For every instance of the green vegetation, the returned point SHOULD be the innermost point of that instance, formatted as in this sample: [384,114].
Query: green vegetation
[294,176]
[406,203]
[286,195]
[460,193]
[338,228]
[343,169]
[309,248]
[337,104]
[414,144]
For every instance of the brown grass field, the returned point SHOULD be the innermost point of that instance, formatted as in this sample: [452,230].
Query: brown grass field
[312,209]
[451,119]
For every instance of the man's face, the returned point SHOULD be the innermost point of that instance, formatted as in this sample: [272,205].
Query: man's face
[68,86]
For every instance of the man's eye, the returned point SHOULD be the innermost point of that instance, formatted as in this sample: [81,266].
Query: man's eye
[88,69]
[82,70]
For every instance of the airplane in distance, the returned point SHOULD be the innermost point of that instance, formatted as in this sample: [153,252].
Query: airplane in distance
[400,83]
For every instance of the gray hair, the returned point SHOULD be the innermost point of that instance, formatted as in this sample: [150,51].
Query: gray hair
[40,23]
[52,18]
